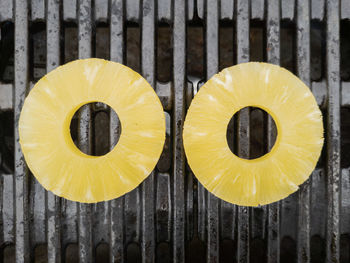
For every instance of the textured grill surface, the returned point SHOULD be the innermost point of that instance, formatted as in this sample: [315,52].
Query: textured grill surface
[171,217]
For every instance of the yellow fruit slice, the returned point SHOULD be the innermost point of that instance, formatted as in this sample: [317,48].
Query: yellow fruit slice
[44,130]
[298,144]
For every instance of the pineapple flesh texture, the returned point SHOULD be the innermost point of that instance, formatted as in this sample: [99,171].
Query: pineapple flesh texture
[44,129]
[298,145]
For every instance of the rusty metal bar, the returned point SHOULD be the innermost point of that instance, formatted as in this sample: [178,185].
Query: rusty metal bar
[333,128]
[117,205]
[212,67]
[84,131]
[179,74]
[273,56]
[303,72]
[148,186]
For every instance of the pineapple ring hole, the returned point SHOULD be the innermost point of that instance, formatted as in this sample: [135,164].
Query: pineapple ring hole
[258,130]
[101,114]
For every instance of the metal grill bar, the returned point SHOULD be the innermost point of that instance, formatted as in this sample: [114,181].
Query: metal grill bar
[52,61]
[84,132]
[333,129]
[117,205]
[273,56]
[242,40]
[21,173]
[6,10]
[179,73]
[303,71]
[148,72]
[212,66]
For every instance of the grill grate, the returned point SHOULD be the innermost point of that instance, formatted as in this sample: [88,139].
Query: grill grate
[171,217]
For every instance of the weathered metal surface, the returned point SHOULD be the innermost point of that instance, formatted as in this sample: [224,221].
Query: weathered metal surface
[273,56]
[288,9]
[178,170]
[6,10]
[52,61]
[84,131]
[170,206]
[6,98]
[212,66]
[21,175]
[303,72]
[242,42]
[148,242]
[317,10]
[257,8]
[116,206]
[333,128]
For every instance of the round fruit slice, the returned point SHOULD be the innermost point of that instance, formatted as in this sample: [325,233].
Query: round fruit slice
[44,130]
[299,134]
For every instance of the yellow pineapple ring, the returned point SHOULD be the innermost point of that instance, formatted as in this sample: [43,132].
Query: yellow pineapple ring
[44,130]
[299,134]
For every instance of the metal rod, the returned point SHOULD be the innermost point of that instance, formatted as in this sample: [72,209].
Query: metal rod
[148,72]
[52,61]
[273,56]
[117,253]
[179,73]
[333,129]
[212,66]
[303,71]
[242,43]
[21,173]
[84,131]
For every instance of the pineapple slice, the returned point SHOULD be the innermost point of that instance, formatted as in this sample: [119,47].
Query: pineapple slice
[44,130]
[299,134]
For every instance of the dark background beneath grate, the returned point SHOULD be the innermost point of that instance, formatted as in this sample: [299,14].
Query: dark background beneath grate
[196,68]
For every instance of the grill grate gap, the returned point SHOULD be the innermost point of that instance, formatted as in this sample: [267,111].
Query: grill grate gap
[317,49]
[195,51]
[164,53]
[288,250]
[133,253]
[318,248]
[288,45]
[227,53]
[345,138]
[102,41]
[344,248]
[6,52]
[37,50]
[72,253]
[345,50]
[133,47]
[102,253]
[70,42]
